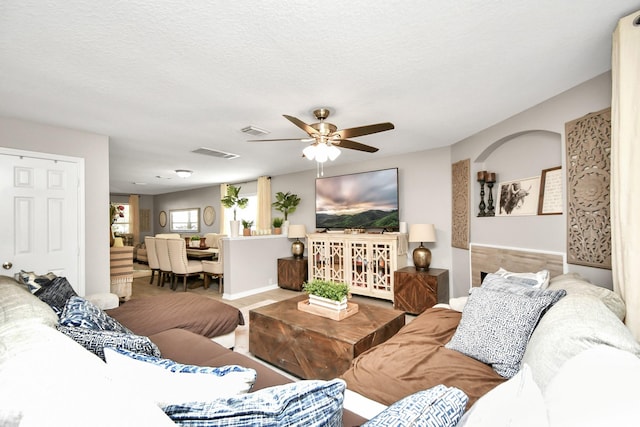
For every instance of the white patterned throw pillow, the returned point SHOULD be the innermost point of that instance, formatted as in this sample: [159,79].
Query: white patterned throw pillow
[496,325]
[167,382]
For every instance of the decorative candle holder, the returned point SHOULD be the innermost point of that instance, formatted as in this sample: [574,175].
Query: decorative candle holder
[490,178]
[482,206]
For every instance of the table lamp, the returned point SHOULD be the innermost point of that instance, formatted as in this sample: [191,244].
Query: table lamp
[297,231]
[421,255]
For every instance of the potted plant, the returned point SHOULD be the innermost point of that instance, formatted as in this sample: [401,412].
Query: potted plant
[286,203]
[246,225]
[233,200]
[195,241]
[328,294]
[277,223]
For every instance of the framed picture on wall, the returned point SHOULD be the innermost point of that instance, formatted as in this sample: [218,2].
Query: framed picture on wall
[550,202]
[518,197]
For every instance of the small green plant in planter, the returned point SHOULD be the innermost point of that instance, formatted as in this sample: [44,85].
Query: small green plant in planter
[277,224]
[246,225]
[327,289]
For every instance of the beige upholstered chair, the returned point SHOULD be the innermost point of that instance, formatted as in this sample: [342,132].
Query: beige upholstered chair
[214,269]
[180,265]
[152,257]
[162,251]
[213,239]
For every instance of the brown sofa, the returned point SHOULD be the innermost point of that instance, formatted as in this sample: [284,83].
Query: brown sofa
[186,346]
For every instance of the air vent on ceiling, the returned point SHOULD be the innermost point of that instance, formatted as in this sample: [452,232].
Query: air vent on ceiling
[254,130]
[215,153]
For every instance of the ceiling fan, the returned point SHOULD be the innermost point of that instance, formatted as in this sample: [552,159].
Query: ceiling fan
[326,137]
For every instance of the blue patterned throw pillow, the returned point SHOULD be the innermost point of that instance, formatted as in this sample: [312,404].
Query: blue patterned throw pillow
[497,323]
[310,403]
[96,341]
[56,293]
[82,313]
[439,406]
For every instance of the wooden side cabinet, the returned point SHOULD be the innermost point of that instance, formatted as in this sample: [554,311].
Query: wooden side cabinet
[415,291]
[292,272]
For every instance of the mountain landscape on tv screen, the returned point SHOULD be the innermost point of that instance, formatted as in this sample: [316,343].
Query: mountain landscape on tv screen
[367,219]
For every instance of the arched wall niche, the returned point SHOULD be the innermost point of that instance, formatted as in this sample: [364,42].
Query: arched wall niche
[484,155]
[521,155]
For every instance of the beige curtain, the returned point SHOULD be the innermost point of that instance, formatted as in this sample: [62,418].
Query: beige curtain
[263,219]
[134,217]
[223,223]
[625,173]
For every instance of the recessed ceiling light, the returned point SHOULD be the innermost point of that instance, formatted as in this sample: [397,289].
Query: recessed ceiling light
[183,173]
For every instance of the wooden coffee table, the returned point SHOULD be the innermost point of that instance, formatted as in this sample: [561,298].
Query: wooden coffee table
[313,347]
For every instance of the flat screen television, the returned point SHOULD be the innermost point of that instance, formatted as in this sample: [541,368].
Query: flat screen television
[360,200]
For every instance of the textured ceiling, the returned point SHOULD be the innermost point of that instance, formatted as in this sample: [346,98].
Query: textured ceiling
[163,78]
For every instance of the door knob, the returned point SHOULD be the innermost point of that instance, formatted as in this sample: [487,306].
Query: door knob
[7,265]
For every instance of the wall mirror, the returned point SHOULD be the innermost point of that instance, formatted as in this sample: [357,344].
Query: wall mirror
[185,220]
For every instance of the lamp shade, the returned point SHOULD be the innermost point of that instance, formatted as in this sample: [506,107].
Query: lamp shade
[297,231]
[422,233]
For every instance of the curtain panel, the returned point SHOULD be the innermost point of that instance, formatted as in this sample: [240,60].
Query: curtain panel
[134,217]
[625,173]
[263,218]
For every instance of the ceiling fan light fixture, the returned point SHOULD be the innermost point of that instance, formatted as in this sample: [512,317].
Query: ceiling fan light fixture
[310,152]
[183,173]
[333,152]
[322,153]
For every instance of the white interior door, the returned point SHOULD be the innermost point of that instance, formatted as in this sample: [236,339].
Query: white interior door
[40,215]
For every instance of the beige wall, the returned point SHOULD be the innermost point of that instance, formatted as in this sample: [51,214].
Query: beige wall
[94,149]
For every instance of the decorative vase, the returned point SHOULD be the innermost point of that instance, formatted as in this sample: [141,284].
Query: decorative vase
[328,303]
[285,227]
[246,232]
[277,230]
[234,227]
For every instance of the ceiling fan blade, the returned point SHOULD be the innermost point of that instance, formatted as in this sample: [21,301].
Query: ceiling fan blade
[302,125]
[281,139]
[364,130]
[345,143]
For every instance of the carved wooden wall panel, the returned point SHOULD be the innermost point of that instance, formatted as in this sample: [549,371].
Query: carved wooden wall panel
[588,190]
[460,201]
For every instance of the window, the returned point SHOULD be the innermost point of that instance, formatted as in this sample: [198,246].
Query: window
[185,220]
[121,226]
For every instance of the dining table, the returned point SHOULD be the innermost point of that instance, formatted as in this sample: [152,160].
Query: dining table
[202,253]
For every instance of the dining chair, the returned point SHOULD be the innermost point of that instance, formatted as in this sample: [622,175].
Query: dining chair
[164,263]
[181,266]
[152,257]
[214,269]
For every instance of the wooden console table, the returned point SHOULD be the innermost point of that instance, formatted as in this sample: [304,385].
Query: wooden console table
[314,347]
[292,272]
[366,262]
[415,291]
